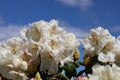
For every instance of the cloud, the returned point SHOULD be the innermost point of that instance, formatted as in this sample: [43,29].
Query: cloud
[115,29]
[1,21]
[9,31]
[83,4]
[80,33]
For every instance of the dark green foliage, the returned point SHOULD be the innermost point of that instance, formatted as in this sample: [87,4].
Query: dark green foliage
[70,69]
[60,76]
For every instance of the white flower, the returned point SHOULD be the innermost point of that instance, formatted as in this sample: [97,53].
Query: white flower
[17,75]
[53,43]
[109,57]
[13,44]
[105,72]
[100,42]
[42,43]
[11,59]
[5,56]
[117,45]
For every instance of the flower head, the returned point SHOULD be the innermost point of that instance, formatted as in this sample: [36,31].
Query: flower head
[42,43]
[100,42]
[105,72]
[54,44]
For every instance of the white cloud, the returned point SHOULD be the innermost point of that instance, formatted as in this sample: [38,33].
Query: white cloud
[115,29]
[9,31]
[80,33]
[1,20]
[83,4]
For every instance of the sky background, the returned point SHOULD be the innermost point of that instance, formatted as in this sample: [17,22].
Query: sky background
[77,16]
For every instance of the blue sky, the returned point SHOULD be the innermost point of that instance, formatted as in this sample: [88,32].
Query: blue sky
[77,16]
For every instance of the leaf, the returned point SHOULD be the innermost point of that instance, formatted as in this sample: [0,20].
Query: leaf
[60,76]
[70,69]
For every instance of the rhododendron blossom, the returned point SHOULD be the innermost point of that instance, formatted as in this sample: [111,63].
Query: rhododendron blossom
[42,43]
[100,42]
[105,72]
[103,49]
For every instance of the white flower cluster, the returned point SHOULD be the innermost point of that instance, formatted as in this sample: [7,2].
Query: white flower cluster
[101,43]
[42,43]
[105,73]
[12,65]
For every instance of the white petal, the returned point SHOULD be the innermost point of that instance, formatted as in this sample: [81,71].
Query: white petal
[103,57]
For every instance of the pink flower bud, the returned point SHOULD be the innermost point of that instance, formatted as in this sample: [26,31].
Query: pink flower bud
[32,79]
[0,78]
[82,78]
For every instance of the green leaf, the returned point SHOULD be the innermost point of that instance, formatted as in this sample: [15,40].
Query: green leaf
[60,76]
[70,69]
